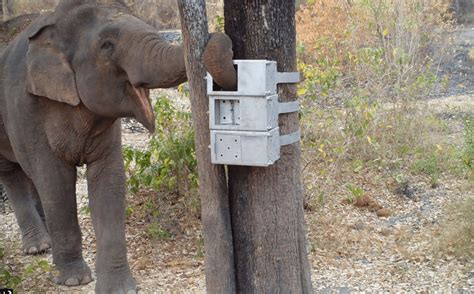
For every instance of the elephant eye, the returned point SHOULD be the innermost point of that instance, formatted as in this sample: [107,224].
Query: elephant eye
[107,45]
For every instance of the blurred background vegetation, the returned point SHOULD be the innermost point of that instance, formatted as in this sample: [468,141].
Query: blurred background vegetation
[162,14]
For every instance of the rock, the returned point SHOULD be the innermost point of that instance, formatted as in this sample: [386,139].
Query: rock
[409,191]
[384,212]
[385,232]
[132,125]
[327,291]
[344,290]
[395,220]
[471,55]
[367,202]
[359,226]
[374,206]
[141,264]
[173,36]
[363,201]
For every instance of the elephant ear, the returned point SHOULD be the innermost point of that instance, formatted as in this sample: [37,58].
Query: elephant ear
[48,71]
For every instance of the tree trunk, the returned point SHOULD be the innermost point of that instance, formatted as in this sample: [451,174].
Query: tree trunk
[267,203]
[464,10]
[215,215]
[6,9]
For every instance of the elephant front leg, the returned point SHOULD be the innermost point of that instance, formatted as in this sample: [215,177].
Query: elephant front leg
[56,185]
[106,182]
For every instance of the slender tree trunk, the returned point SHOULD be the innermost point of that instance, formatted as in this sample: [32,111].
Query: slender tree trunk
[6,9]
[267,203]
[217,233]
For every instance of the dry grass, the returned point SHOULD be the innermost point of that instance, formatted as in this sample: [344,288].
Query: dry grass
[27,6]
[456,236]
[385,48]
[366,65]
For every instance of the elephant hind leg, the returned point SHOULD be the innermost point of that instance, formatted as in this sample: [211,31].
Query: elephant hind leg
[37,202]
[27,207]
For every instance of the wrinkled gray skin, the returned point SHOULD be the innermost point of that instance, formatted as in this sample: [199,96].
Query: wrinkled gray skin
[65,82]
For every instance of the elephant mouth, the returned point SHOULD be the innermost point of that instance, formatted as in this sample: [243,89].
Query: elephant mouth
[143,111]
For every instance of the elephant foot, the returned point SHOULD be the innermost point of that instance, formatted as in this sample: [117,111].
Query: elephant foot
[36,244]
[72,274]
[120,282]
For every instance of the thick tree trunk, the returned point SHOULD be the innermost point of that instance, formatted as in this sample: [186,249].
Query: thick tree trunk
[217,233]
[267,203]
[464,10]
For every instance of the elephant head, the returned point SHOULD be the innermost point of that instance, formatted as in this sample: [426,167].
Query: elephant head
[98,54]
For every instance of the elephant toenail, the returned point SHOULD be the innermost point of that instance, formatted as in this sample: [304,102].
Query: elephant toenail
[44,247]
[33,250]
[131,292]
[86,280]
[72,282]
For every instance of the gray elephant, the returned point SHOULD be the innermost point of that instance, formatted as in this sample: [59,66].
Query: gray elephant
[65,82]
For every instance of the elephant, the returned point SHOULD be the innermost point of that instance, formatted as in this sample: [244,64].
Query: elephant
[65,83]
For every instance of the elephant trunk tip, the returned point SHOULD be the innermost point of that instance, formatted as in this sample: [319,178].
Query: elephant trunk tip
[218,61]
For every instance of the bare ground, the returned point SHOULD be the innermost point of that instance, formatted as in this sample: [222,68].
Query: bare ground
[354,251]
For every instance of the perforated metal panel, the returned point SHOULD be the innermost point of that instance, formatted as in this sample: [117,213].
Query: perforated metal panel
[245,148]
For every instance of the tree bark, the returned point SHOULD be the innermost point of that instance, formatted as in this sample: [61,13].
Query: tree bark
[215,215]
[267,203]
[464,10]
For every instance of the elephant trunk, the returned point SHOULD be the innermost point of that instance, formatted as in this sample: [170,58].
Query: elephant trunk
[153,63]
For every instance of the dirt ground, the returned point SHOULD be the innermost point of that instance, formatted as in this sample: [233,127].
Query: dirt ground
[357,252]
[354,252]
[459,67]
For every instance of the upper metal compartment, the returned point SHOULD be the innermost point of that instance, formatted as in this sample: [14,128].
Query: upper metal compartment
[254,78]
